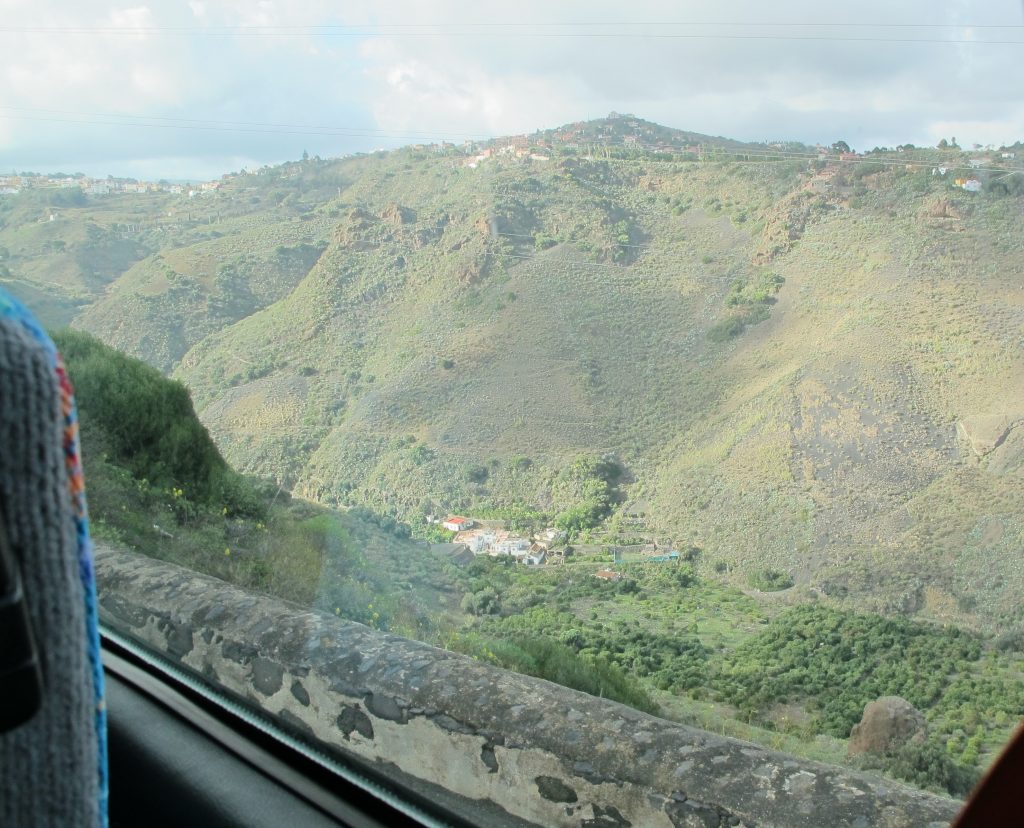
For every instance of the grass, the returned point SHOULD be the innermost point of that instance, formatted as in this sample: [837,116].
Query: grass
[663,639]
[820,442]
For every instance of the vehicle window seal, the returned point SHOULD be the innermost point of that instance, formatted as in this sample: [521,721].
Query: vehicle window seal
[255,738]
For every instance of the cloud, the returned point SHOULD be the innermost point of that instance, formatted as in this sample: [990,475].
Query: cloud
[434,70]
[749,85]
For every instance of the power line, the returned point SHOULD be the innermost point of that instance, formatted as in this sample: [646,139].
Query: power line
[120,117]
[765,156]
[216,127]
[360,28]
[753,154]
[757,155]
[272,32]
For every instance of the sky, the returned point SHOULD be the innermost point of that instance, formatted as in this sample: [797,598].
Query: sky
[195,88]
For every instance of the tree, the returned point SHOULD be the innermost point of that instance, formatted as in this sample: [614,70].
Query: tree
[484,602]
[841,146]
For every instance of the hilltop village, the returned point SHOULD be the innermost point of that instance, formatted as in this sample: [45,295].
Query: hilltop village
[618,133]
[16,182]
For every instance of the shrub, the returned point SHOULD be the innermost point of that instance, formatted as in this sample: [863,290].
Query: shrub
[926,765]
[484,602]
[148,425]
[422,454]
[839,661]
[520,463]
[770,580]
[554,661]
[477,474]
[726,329]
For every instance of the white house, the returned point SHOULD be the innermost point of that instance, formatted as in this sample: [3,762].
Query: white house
[510,546]
[552,535]
[972,185]
[456,523]
[535,557]
[478,541]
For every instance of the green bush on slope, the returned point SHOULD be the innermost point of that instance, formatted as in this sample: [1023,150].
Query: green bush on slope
[147,425]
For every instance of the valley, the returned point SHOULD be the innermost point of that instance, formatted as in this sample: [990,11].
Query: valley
[800,368]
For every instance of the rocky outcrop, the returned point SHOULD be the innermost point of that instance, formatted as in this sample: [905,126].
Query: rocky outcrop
[941,208]
[888,724]
[986,432]
[398,215]
[785,223]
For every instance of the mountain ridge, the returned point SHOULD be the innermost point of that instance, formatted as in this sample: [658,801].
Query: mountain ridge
[778,351]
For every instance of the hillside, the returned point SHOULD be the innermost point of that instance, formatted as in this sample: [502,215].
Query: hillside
[158,484]
[802,364]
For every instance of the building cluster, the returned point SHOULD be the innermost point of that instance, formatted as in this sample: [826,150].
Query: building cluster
[490,540]
[517,146]
[972,185]
[15,183]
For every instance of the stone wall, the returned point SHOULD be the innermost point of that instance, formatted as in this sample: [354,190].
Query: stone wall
[500,741]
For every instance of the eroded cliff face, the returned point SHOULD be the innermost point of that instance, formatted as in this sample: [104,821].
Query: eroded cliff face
[503,748]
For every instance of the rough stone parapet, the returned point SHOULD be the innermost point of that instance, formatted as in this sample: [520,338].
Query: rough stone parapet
[543,753]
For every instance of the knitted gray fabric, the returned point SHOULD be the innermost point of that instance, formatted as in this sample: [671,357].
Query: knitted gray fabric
[48,766]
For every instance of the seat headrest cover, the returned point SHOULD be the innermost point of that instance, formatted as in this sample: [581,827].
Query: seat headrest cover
[45,514]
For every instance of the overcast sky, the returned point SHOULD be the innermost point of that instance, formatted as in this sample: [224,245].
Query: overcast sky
[192,89]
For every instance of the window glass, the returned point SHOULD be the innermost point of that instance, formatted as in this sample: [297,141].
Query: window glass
[370,311]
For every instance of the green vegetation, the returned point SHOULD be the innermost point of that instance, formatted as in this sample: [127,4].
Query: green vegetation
[577,343]
[145,423]
[156,483]
[590,485]
[547,659]
[770,580]
[926,765]
[841,661]
[749,302]
[695,642]
[322,313]
[804,673]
